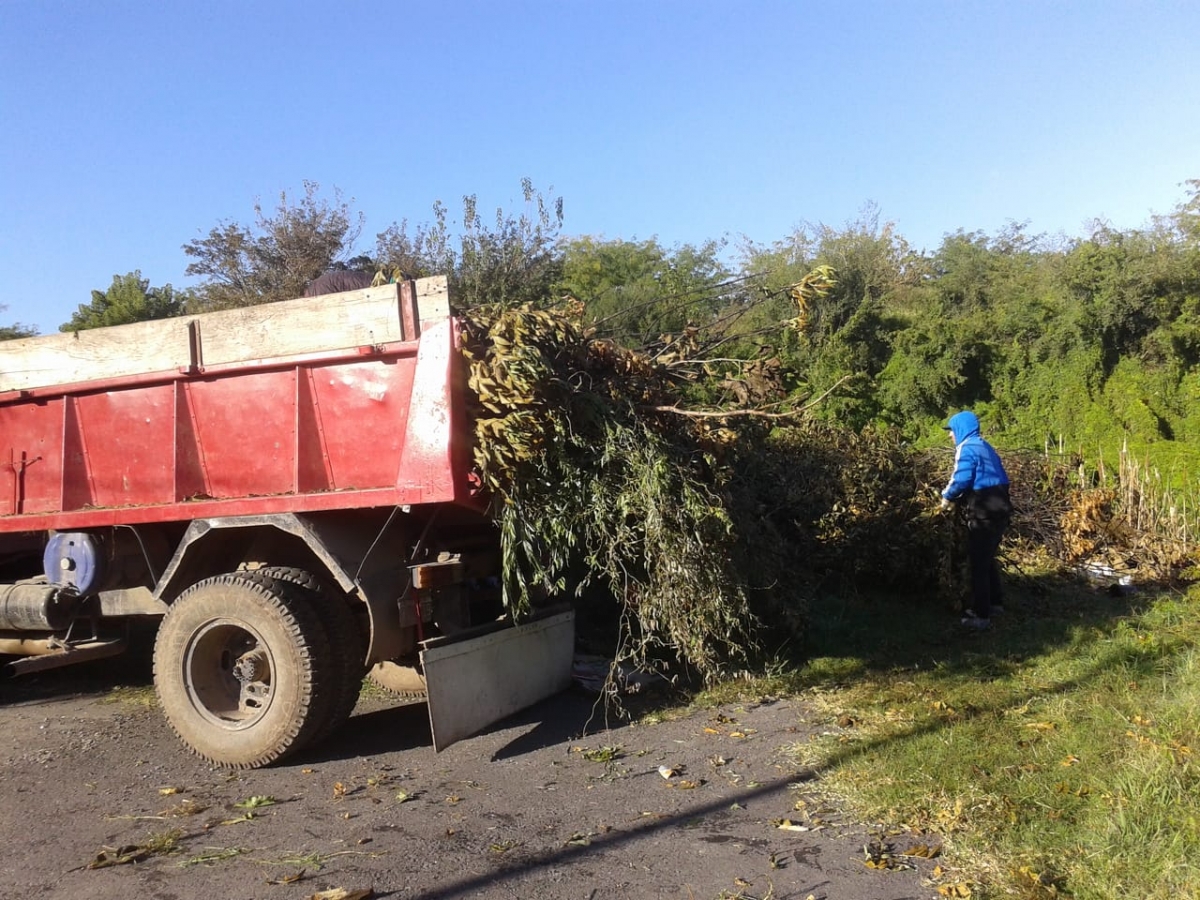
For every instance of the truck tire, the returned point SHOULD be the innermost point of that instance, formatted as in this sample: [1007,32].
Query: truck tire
[346,638]
[244,671]
[405,682]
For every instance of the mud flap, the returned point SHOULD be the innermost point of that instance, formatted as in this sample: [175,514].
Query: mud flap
[474,681]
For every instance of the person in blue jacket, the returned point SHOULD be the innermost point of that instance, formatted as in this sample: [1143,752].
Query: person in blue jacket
[980,485]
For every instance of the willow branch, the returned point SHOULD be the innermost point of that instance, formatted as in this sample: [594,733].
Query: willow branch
[837,384]
[726,414]
[760,413]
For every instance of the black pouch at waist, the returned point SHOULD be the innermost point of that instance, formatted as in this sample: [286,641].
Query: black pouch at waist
[991,503]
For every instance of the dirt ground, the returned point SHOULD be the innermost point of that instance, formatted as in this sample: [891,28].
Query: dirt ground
[543,805]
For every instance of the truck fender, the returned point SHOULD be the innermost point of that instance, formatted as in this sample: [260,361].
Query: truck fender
[355,549]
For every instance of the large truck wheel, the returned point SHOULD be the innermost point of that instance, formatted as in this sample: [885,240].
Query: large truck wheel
[243,670]
[346,638]
[404,681]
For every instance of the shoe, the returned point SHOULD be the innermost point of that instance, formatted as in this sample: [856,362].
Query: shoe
[970,620]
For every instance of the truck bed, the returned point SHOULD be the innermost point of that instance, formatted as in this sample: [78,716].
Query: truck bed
[231,413]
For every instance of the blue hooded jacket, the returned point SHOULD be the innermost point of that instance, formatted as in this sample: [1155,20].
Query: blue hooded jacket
[976,464]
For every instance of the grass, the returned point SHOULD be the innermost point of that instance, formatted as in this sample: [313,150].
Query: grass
[162,843]
[369,690]
[134,696]
[213,855]
[1057,753]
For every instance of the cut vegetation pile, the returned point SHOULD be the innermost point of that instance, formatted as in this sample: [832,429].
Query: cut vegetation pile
[590,479]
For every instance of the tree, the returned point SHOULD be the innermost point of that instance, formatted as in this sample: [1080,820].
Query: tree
[516,260]
[277,257]
[1183,225]
[936,365]
[427,251]
[636,291]
[128,299]
[16,330]
[841,339]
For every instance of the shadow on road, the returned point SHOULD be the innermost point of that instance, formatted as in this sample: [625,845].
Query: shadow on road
[573,854]
[563,717]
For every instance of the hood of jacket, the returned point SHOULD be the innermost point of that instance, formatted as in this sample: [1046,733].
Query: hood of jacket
[963,425]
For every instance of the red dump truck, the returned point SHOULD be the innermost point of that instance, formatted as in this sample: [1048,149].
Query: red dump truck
[286,490]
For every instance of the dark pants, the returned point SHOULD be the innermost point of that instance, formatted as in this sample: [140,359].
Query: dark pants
[983,541]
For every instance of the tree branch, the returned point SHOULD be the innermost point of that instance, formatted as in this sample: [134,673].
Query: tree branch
[824,394]
[729,414]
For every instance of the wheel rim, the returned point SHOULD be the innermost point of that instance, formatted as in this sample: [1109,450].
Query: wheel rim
[228,671]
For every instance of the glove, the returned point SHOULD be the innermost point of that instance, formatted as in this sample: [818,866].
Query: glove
[945,505]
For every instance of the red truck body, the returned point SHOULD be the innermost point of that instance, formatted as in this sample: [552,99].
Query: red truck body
[360,426]
[286,492]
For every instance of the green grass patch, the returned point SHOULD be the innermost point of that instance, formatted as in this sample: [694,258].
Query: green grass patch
[370,691]
[213,855]
[134,696]
[1058,752]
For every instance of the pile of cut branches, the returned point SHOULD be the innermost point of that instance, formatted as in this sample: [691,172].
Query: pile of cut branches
[602,469]
[591,480]
[1124,520]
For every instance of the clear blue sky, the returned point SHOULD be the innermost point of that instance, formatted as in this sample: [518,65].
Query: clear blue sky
[129,128]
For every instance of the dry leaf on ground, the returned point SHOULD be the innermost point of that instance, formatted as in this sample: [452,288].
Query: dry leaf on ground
[343,894]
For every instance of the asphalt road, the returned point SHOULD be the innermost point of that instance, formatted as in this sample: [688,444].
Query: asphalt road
[99,800]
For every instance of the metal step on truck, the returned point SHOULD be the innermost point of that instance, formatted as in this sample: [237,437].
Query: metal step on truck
[286,491]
